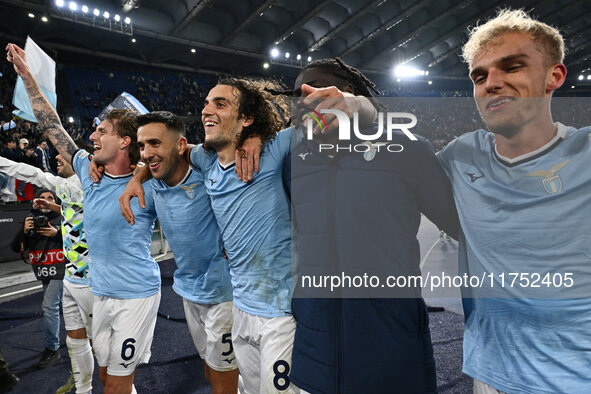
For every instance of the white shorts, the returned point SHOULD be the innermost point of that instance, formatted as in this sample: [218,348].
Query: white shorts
[483,388]
[77,306]
[263,349]
[211,329]
[123,330]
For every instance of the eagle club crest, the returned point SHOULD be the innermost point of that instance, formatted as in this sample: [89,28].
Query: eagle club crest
[551,182]
[371,152]
[189,190]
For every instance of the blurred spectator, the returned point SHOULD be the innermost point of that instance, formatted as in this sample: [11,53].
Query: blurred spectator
[42,160]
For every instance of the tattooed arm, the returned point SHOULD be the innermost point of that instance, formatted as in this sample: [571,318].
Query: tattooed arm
[46,115]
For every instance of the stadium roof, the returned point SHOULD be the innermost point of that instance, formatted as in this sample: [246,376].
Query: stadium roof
[237,36]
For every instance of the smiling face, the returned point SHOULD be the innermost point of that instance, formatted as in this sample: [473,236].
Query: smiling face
[106,143]
[161,149]
[64,169]
[220,117]
[511,76]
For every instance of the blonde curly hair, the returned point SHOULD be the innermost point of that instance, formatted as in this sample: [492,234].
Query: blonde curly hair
[507,21]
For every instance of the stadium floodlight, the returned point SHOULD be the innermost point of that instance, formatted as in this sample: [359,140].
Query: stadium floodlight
[408,71]
[44,19]
[287,55]
[299,57]
[274,52]
[73,6]
[193,50]
[71,119]
[127,20]
[133,40]
[588,77]
[430,82]
[572,86]
[85,9]
[309,58]
[581,77]
[31,15]
[96,12]
[265,65]
[106,14]
[117,18]
[59,3]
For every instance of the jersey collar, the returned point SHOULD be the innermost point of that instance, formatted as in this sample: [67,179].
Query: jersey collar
[558,138]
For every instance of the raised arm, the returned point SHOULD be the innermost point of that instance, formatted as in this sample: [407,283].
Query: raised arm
[46,115]
[28,173]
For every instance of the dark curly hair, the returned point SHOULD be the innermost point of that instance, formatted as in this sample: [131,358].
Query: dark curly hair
[125,123]
[269,113]
[362,86]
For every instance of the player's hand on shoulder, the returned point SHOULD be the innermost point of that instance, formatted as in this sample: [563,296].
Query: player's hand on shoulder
[95,171]
[248,158]
[133,189]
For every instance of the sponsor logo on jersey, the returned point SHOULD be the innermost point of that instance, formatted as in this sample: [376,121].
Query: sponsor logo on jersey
[303,155]
[124,365]
[83,154]
[551,182]
[473,176]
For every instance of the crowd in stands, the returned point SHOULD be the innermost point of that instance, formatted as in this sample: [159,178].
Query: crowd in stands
[442,115]
[181,93]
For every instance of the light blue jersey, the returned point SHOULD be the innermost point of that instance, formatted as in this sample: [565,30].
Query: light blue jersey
[531,214]
[255,225]
[185,213]
[120,261]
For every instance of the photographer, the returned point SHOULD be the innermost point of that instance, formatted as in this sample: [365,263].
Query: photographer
[43,240]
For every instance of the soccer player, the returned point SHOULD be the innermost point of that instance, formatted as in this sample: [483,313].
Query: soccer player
[528,212]
[254,223]
[359,212]
[202,277]
[77,297]
[254,220]
[125,278]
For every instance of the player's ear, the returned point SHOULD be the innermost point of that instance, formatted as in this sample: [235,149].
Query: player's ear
[182,145]
[247,121]
[555,78]
[125,142]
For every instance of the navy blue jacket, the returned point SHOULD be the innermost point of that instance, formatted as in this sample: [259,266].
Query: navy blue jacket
[359,213]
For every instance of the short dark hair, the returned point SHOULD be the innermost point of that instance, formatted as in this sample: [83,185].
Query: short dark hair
[168,119]
[269,113]
[125,123]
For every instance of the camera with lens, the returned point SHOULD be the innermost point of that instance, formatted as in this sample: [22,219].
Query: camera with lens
[39,222]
